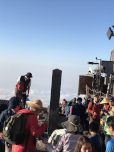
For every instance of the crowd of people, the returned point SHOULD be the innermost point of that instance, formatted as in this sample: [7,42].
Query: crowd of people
[96,120]
[89,126]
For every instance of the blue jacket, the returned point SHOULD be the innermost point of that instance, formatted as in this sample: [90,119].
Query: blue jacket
[4,116]
[97,142]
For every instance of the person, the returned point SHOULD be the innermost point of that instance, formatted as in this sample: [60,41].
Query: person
[27,83]
[31,126]
[67,141]
[84,144]
[79,110]
[14,107]
[71,104]
[63,106]
[104,111]
[110,143]
[94,109]
[95,137]
[108,135]
[87,99]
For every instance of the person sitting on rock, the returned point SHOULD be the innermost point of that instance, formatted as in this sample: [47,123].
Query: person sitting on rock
[68,140]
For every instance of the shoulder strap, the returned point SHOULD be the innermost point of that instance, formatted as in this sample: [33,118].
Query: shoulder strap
[8,113]
[27,136]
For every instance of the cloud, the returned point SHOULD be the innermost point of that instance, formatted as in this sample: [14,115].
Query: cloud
[43,95]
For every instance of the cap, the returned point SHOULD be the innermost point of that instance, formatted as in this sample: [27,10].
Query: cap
[112,99]
[14,102]
[29,75]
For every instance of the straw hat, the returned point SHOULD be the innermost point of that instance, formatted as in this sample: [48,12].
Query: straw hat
[37,104]
[105,100]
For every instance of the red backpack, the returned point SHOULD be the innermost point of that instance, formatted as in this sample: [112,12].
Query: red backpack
[20,86]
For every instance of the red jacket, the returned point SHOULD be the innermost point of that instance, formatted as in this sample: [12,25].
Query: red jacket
[31,126]
[96,108]
[107,107]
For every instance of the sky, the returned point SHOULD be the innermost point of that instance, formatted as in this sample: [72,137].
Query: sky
[39,36]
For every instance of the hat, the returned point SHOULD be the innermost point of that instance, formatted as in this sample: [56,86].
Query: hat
[74,99]
[14,102]
[37,104]
[105,100]
[111,112]
[72,124]
[112,99]
[29,75]
[79,99]
[95,95]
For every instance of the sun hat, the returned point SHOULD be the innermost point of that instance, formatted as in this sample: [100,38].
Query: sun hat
[37,104]
[72,124]
[14,102]
[105,100]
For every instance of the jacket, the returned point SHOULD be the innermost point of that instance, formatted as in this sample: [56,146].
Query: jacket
[31,126]
[4,116]
[95,108]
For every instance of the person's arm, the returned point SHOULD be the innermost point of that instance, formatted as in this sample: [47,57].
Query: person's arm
[58,146]
[28,90]
[34,128]
[52,136]
[18,80]
[29,87]
[90,108]
[2,119]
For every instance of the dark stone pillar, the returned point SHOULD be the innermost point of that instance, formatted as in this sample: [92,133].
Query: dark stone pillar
[54,102]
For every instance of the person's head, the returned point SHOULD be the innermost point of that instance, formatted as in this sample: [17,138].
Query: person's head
[28,75]
[96,97]
[84,144]
[110,124]
[36,106]
[14,104]
[79,100]
[73,124]
[111,101]
[74,99]
[93,128]
[64,101]
[87,97]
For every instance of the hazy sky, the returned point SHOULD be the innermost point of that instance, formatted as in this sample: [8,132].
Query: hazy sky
[38,36]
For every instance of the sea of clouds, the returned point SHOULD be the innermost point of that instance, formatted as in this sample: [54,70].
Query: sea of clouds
[43,95]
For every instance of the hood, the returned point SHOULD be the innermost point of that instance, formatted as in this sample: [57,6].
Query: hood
[25,111]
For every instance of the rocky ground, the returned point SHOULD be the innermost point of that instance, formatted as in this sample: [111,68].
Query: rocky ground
[40,146]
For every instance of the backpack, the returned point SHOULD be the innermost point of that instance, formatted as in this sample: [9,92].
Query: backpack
[13,129]
[20,86]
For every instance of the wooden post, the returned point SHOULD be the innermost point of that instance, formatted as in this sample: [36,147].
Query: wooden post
[54,101]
